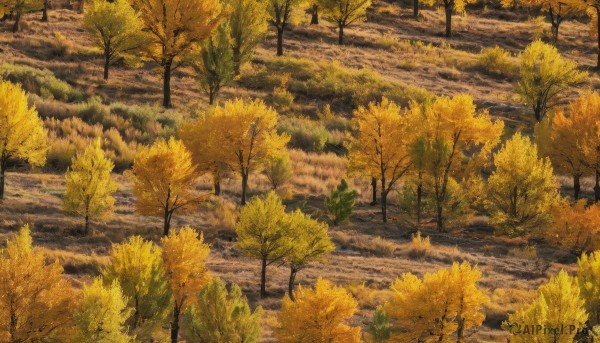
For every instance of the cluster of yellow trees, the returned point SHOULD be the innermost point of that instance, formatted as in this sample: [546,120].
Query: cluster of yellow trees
[146,285]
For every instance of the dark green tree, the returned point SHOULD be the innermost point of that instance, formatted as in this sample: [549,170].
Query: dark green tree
[340,203]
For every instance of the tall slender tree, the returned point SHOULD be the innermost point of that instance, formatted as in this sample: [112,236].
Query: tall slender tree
[176,27]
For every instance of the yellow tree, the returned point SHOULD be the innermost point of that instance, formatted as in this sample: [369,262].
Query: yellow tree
[522,188]
[202,139]
[318,315]
[450,7]
[588,278]
[247,28]
[344,13]
[35,300]
[22,133]
[18,8]
[457,141]
[558,304]
[184,255]
[264,232]
[544,77]
[557,137]
[279,14]
[380,147]
[558,11]
[89,186]
[163,176]
[311,243]
[247,134]
[115,28]
[136,265]
[176,27]
[575,227]
[221,316]
[583,112]
[101,314]
[443,304]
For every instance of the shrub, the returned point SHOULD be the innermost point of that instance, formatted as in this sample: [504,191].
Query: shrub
[39,81]
[419,246]
[340,203]
[222,317]
[330,81]
[305,134]
[497,61]
[279,170]
[379,327]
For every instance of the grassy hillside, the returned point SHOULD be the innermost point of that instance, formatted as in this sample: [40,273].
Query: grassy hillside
[315,87]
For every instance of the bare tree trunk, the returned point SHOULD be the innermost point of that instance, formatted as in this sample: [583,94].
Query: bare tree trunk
[449,21]
[16,25]
[279,42]
[263,278]
[216,186]
[45,11]
[106,62]
[244,187]
[341,34]
[416,8]
[576,186]
[291,282]
[167,84]
[314,20]
[374,190]
[175,324]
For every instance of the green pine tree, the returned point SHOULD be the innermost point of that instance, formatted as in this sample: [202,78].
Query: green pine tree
[379,328]
[341,203]
[215,66]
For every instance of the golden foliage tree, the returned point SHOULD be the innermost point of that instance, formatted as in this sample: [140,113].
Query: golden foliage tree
[557,137]
[279,13]
[264,232]
[544,77]
[575,227]
[247,28]
[583,113]
[115,28]
[221,316]
[35,300]
[311,243]
[136,265]
[89,186]
[457,140]
[201,137]
[558,11]
[184,255]
[318,315]
[101,314]
[522,188]
[163,176]
[344,13]
[450,7]
[176,27]
[247,136]
[443,304]
[381,146]
[588,278]
[22,133]
[558,304]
